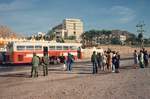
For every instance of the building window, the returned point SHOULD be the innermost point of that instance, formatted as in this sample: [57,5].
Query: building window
[74,26]
[65,35]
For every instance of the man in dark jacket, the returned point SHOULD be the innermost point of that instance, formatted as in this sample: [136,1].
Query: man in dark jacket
[70,60]
[117,63]
[94,62]
[146,57]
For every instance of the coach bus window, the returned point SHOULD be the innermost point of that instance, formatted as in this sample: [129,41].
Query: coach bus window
[65,47]
[20,48]
[29,47]
[58,47]
[51,47]
[73,48]
[38,47]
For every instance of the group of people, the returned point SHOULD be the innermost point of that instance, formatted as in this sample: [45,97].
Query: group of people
[67,62]
[141,59]
[107,61]
[104,61]
[36,61]
[44,62]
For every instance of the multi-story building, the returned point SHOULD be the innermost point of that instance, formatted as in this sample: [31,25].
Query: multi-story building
[69,28]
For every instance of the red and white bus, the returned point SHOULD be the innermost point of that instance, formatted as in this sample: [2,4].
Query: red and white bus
[22,52]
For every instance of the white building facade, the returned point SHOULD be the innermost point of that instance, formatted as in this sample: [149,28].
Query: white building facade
[69,28]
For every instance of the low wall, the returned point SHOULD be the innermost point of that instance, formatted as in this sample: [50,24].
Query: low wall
[125,51]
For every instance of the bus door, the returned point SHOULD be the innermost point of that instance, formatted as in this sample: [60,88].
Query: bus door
[4,57]
[45,50]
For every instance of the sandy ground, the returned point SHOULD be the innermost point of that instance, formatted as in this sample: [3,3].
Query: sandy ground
[128,84]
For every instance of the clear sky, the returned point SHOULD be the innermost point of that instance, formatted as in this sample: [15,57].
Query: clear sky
[31,16]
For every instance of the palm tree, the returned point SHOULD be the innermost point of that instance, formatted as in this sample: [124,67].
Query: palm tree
[92,36]
[51,34]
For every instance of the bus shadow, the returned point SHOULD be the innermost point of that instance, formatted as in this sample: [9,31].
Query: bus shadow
[87,67]
[70,72]
[84,72]
[16,65]
[131,67]
[21,75]
[53,69]
[127,67]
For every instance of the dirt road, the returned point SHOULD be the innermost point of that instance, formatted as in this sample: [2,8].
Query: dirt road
[128,84]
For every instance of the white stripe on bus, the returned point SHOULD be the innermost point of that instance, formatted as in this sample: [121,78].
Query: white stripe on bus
[31,55]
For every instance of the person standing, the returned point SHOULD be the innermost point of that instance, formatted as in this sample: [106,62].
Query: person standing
[117,63]
[104,58]
[45,63]
[114,61]
[99,60]
[94,62]
[146,58]
[109,60]
[79,52]
[141,59]
[1,58]
[35,64]
[70,60]
[63,60]
[135,55]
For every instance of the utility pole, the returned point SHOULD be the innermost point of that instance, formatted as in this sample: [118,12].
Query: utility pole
[140,31]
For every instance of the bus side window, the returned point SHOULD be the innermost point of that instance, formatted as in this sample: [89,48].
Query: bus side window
[30,47]
[73,48]
[20,48]
[51,47]
[38,47]
[65,47]
[58,47]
